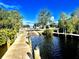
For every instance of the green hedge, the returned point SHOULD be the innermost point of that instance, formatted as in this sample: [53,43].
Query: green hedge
[6,34]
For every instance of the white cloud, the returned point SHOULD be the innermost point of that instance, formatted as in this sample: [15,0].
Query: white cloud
[25,22]
[53,19]
[8,6]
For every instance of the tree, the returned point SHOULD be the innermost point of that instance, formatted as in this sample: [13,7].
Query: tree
[75,16]
[77,27]
[76,12]
[70,27]
[28,26]
[44,17]
[52,25]
[10,22]
[15,19]
[62,22]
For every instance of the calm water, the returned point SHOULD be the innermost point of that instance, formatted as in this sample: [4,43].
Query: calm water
[57,48]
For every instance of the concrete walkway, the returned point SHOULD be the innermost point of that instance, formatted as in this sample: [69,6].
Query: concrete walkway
[19,49]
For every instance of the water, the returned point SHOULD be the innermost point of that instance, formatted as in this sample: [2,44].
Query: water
[57,48]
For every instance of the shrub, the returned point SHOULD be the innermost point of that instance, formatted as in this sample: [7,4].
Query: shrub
[6,34]
[48,33]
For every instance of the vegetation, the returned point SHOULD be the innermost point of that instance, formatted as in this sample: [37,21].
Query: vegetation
[28,26]
[66,23]
[10,22]
[52,25]
[44,18]
[69,24]
[70,27]
[48,33]
[62,22]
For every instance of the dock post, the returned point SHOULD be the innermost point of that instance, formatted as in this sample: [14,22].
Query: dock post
[8,43]
[65,37]
[71,39]
[37,53]
[57,30]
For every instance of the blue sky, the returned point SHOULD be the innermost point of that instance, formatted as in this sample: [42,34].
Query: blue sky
[29,9]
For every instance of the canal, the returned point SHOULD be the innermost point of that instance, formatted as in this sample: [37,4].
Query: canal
[57,48]
[54,48]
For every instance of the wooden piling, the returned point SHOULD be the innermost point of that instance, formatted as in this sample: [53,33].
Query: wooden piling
[8,43]
[37,53]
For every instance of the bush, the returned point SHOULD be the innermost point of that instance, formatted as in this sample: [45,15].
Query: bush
[48,33]
[2,40]
[6,34]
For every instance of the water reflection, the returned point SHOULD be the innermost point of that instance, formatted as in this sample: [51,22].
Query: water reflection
[57,54]
[49,48]
[57,47]
[54,48]
[70,48]
[46,49]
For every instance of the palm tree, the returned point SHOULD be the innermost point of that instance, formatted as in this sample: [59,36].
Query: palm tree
[62,22]
[44,17]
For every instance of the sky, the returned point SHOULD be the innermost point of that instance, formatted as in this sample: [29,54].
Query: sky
[29,9]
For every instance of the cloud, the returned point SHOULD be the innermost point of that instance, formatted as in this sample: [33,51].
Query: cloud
[8,6]
[56,21]
[28,22]
[53,19]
